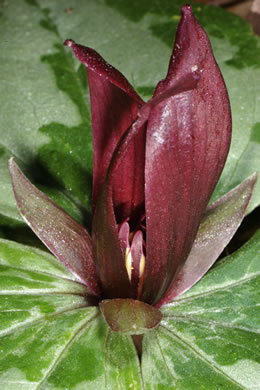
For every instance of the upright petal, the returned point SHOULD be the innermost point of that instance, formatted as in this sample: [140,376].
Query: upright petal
[109,241]
[188,138]
[114,107]
[108,254]
[64,236]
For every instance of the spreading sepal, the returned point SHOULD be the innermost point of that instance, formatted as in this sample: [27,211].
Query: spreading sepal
[62,235]
[220,222]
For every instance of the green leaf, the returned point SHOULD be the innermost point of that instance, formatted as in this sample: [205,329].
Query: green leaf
[45,107]
[209,337]
[48,123]
[49,337]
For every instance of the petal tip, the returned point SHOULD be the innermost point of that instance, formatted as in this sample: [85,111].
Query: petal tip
[13,167]
[186,10]
[252,180]
[11,162]
[254,176]
[69,43]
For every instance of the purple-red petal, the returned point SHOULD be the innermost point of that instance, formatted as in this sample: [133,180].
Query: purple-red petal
[62,235]
[109,247]
[114,107]
[188,138]
[109,238]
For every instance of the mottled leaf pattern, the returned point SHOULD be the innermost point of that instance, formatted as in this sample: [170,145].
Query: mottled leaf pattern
[51,339]
[209,337]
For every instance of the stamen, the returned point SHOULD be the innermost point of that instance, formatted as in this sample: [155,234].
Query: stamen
[141,266]
[123,234]
[141,276]
[128,262]
[132,244]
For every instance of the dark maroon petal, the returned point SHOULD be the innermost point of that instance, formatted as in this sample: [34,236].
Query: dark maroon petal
[109,247]
[129,316]
[114,107]
[109,256]
[109,238]
[219,224]
[188,138]
[64,237]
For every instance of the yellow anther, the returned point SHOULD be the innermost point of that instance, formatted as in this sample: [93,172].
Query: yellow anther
[141,276]
[141,266]
[128,262]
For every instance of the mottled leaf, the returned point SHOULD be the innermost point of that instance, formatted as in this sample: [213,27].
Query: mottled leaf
[50,338]
[209,337]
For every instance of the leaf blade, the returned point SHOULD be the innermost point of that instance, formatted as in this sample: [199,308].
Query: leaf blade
[211,331]
[52,338]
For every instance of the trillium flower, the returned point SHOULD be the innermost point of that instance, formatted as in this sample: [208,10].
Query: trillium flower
[156,165]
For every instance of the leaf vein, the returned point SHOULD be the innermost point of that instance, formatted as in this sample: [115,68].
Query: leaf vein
[209,362]
[222,288]
[38,320]
[212,322]
[64,349]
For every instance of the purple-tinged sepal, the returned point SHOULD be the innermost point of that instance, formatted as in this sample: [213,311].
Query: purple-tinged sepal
[219,223]
[62,235]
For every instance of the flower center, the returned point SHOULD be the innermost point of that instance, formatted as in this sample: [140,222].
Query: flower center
[133,248]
